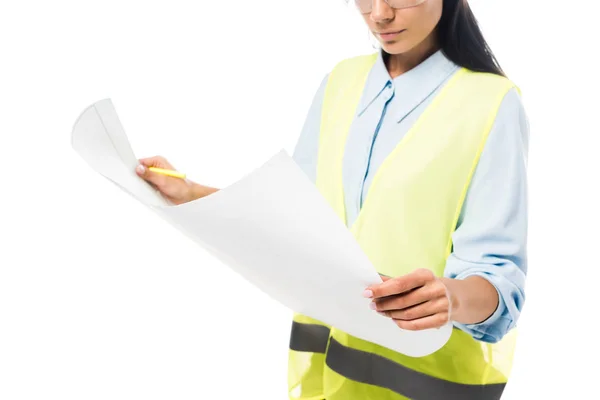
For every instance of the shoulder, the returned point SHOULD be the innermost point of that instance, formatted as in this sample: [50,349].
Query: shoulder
[487,82]
[512,101]
[511,119]
[349,72]
[509,130]
[354,64]
[508,93]
[491,92]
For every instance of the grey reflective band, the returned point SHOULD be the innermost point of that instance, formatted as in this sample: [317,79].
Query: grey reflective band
[376,370]
[309,337]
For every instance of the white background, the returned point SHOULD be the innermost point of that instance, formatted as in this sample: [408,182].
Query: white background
[99,299]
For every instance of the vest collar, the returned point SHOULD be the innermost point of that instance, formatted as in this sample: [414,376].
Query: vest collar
[414,85]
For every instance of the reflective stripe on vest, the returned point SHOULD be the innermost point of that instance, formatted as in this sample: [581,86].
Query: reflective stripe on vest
[309,337]
[375,370]
[308,343]
[406,222]
[372,369]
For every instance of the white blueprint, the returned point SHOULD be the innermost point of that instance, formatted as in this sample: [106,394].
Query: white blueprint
[273,227]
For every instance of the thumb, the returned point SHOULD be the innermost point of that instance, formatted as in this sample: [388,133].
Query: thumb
[154,178]
[141,170]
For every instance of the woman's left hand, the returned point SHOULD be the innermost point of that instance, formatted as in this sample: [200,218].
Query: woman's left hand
[415,301]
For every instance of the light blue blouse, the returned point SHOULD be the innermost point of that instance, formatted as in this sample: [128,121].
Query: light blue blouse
[490,239]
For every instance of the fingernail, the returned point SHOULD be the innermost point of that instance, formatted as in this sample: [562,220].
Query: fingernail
[373,305]
[368,293]
[140,169]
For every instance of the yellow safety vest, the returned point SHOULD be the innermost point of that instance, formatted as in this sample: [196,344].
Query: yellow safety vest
[406,223]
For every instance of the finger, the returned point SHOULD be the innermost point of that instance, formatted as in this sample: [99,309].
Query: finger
[431,291]
[368,293]
[401,284]
[156,161]
[157,180]
[429,322]
[431,307]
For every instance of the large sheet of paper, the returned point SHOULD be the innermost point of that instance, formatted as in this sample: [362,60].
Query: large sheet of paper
[273,227]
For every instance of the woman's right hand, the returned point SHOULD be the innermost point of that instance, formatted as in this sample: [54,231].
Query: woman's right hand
[176,190]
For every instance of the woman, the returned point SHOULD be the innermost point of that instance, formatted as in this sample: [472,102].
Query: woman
[421,149]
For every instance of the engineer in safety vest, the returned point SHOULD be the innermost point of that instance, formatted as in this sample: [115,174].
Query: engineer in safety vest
[421,149]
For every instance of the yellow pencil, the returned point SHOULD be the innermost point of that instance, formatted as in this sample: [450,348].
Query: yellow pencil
[167,172]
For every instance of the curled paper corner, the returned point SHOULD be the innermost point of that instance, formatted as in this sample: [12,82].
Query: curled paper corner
[87,109]
[100,140]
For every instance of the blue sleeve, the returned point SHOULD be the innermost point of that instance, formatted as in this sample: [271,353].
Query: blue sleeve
[491,237]
[307,146]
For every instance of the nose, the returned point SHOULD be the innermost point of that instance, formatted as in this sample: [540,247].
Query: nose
[381,11]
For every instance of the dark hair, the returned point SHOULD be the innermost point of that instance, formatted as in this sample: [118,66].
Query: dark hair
[461,39]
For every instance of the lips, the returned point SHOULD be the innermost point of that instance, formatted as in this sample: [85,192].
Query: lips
[389,35]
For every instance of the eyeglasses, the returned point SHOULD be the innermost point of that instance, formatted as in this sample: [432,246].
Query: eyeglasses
[366,6]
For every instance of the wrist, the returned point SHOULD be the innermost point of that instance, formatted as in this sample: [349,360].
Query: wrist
[472,300]
[197,191]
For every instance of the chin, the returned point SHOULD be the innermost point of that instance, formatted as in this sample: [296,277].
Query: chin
[398,47]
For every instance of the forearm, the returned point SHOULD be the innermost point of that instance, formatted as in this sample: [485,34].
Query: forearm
[474,299]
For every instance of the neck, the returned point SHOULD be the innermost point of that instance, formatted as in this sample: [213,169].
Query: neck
[398,64]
